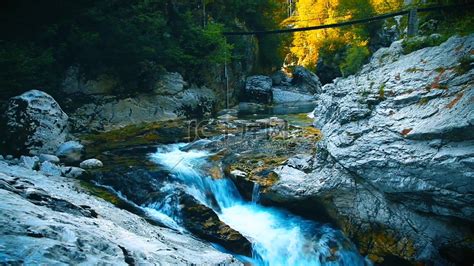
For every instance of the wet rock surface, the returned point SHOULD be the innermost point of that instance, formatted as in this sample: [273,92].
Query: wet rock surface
[396,153]
[204,223]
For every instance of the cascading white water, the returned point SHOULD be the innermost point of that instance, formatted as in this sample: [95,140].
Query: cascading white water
[277,237]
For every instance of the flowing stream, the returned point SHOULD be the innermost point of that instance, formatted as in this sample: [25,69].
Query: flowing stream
[277,237]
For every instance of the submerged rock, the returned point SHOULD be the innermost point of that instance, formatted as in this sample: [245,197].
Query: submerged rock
[35,123]
[397,153]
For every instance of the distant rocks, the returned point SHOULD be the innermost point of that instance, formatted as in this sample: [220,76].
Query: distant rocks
[35,124]
[259,89]
[29,162]
[203,222]
[306,81]
[281,88]
[91,164]
[171,98]
[50,169]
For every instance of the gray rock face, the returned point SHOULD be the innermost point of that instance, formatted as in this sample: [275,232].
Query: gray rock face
[282,94]
[280,78]
[306,81]
[91,164]
[75,83]
[52,220]
[259,89]
[281,89]
[35,123]
[70,152]
[398,148]
[170,100]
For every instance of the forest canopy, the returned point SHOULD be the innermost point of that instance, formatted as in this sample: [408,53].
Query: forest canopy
[130,40]
[133,40]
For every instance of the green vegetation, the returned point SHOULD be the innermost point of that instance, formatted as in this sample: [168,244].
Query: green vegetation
[131,41]
[354,59]
[416,43]
[437,27]
[465,64]
[382,92]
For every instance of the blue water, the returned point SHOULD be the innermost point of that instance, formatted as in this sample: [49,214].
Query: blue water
[277,237]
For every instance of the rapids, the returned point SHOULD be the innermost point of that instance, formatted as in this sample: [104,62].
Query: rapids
[277,237]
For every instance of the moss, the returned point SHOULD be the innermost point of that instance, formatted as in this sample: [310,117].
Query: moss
[416,43]
[414,70]
[143,134]
[100,192]
[423,101]
[382,92]
[440,69]
[465,64]
[259,168]
[378,243]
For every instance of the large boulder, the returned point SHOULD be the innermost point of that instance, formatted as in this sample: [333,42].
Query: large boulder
[35,124]
[397,154]
[306,81]
[258,89]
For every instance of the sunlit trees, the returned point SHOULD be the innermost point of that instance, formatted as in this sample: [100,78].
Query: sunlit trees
[342,48]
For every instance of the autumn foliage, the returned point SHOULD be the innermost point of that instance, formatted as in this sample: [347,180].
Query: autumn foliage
[349,44]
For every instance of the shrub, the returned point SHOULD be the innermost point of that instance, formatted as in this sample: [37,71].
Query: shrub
[419,42]
[355,57]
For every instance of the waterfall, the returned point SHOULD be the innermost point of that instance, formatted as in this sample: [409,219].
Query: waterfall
[277,237]
[255,193]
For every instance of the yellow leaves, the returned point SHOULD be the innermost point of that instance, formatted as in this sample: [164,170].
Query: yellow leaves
[384,6]
[306,46]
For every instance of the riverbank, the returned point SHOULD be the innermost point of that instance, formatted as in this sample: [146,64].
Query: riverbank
[53,219]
